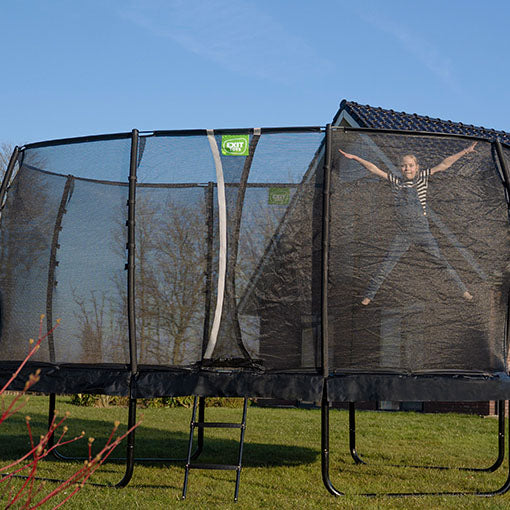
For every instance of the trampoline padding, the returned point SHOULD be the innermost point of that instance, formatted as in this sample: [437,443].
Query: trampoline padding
[418,388]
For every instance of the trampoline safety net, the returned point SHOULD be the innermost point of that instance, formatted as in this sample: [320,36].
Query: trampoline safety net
[229,260]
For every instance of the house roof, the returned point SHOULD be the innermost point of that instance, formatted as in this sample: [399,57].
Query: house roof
[375,117]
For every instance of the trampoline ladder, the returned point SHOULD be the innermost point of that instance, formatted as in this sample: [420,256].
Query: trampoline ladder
[202,425]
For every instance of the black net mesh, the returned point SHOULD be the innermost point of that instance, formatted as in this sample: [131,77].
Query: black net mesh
[417,253]
[63,253]
[28,221]
[271,202]
[102,159]
[171,240]
[174,209]
[418,270]
[89,295]
[274,252]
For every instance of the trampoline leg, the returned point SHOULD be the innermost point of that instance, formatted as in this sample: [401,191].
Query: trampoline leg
[494,467]
[501,441]
[331,488]
[501,436]
[190,447]
[130,452]
[498,492]
[325,446]
[506,485]
[51,414]
[200,434]
[241,446]
[352,434]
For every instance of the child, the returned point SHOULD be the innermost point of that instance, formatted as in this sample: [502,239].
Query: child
[410,193]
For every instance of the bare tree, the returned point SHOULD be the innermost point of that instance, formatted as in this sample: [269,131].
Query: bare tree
[6,150]
[170,261]
[170,267]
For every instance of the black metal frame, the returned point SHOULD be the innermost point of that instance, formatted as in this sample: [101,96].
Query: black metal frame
[131,246]
[335,492]
[500,405]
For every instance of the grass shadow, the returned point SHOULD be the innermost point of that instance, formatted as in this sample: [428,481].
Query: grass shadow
[157,446]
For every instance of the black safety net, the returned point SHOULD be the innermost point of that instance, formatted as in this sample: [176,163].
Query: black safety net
[229,261]
[63,253]
[270,202]
[418,263]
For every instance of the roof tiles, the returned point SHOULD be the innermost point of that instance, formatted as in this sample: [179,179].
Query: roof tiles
[375,117]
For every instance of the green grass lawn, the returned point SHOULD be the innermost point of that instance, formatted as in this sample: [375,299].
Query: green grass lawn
[282,463]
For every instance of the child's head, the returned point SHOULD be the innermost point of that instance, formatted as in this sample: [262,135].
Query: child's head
[409,166]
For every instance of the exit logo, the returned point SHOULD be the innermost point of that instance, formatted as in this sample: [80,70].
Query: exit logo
[235,145]
[278,196]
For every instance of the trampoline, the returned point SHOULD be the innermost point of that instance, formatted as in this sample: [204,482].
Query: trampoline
[239,263]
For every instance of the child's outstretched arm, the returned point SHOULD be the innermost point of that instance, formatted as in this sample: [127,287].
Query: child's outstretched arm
[367,164]
[450,160]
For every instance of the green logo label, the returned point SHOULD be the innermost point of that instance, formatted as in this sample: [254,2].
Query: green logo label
[235,145]
[278,196]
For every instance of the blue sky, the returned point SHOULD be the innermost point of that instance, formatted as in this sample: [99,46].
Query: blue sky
[75,68]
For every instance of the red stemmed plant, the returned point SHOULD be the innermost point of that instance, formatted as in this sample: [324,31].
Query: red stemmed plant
[29,496]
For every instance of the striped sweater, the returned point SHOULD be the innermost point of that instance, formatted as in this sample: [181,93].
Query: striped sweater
[419,183]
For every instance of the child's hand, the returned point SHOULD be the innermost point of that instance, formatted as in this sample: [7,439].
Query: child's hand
[346,154]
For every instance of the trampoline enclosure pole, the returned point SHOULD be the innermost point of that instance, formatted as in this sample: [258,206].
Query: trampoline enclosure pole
[324,318]
[503,165]
[325,253]
[131,247]
[130,452]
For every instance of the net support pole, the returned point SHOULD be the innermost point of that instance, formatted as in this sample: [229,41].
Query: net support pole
[131,249]
[53,263]
[326,480]
[503,165]
[506,176]
[326,190]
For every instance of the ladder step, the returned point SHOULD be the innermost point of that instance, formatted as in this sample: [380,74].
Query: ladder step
[201,424]
[219,425]
[226,467]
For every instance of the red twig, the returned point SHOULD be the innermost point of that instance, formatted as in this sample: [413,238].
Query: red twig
[89,467]
[40,450]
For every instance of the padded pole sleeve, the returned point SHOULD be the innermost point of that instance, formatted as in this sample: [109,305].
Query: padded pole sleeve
[325,253]
[131,246]
[222,269]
